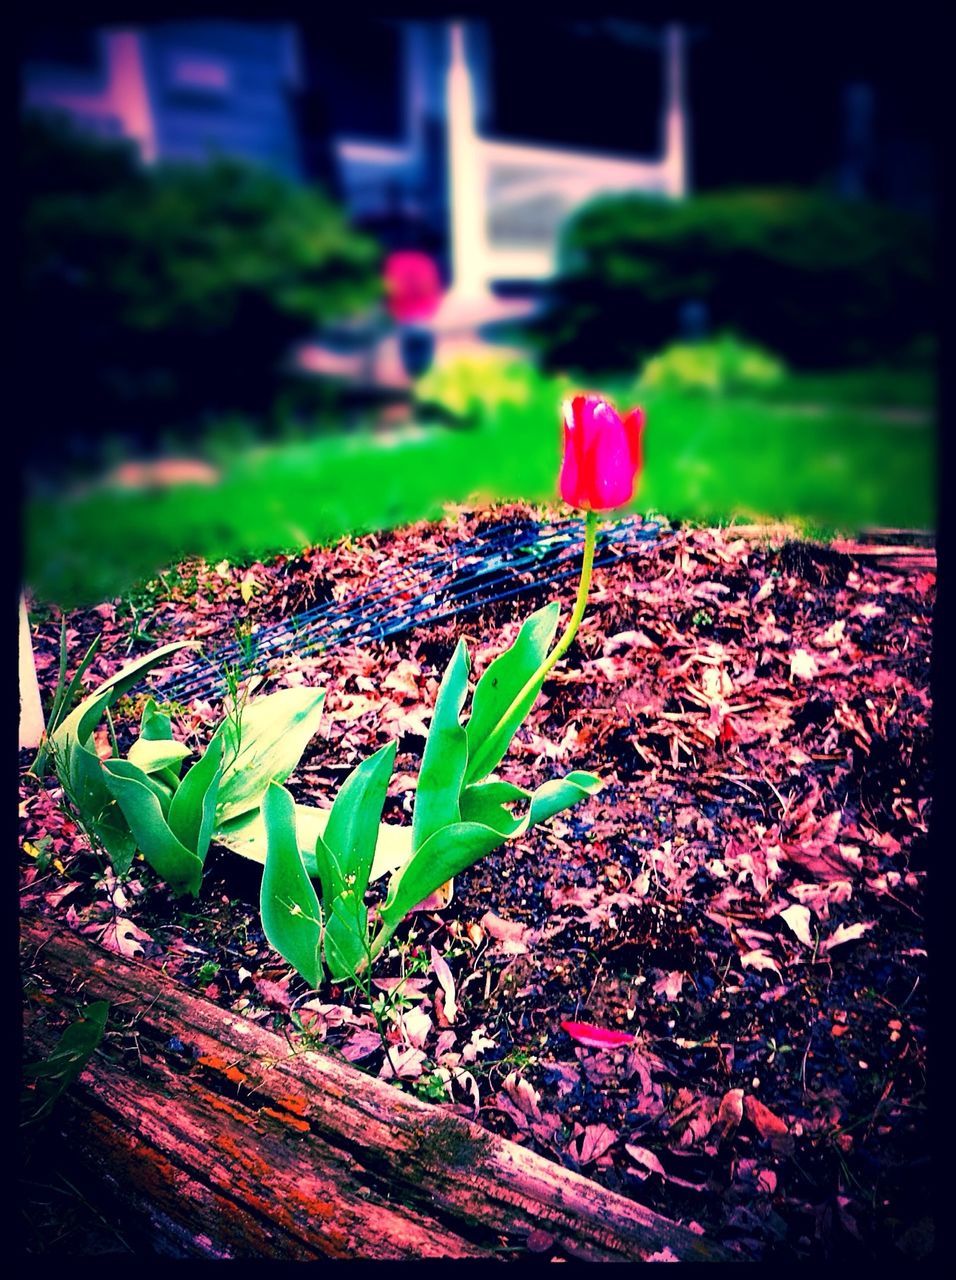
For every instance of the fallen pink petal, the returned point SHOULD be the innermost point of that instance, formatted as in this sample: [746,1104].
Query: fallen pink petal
[596,1037]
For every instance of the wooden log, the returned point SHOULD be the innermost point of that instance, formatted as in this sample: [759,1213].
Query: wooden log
[232,1142]
[900,557]
[883,536]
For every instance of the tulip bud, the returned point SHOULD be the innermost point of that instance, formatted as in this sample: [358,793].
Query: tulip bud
[602,454]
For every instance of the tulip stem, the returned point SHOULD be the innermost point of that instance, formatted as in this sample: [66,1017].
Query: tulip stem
[533,685]
[580,604]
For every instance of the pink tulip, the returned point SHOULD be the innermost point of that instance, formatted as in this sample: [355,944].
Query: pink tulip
[602,454]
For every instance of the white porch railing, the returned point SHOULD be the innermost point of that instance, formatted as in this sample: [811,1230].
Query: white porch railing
[508,199]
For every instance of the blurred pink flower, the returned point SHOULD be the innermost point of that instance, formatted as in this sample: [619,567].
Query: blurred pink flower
[412,285]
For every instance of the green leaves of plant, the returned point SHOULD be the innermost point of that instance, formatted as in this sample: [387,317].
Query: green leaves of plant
[352,829]
[446,754]
[174,837]
[265,747]
[155,754]
[180,867]
[447,852]
[346,936]
[458,818]
[344,853]
[246,835]
[192,811]
[78,726]
[291,915]
[63,697]
[141,803]
[486,824]
[503,696]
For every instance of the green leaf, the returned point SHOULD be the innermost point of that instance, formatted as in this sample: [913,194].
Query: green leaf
[59,693]
[461,844]
[55,1073]
[155,729]
[328,870]
[446,755]
[81,774]
[81,722]
[273,733]
[497,711]
[352,829]
[346,936]
[291,915]
[246,835]
[168,856]
[159,786]
[192,811]
[155,725]
[560,793]
[64,695]
[444,854]
[484,802]
[153,754]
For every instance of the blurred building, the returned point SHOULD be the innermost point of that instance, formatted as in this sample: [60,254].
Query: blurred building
[183,91]
[423,128]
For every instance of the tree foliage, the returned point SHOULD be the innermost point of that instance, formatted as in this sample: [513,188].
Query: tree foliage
[822,281]
[155,296]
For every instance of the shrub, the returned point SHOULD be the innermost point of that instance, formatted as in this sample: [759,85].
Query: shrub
[155,297]
[470,386]
[821,280]
[724,365]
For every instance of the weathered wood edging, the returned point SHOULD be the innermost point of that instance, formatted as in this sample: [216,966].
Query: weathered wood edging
[230,1143]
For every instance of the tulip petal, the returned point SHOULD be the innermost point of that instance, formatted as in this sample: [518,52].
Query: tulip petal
[570,468]
[597,1037]
[592,416]
[611,468]
[633,430]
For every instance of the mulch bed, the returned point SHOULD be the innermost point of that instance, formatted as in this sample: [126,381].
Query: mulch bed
[745,895]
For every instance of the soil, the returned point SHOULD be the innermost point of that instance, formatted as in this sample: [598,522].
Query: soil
[744,898]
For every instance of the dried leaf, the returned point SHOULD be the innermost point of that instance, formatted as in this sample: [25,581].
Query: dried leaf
[124,937]
[797,919]
[763,1119]
[593,1143]
[803,665]
[447,982]
[361,1044]
[644,1157]
[670,985]
[760,960]
[525,1097]
[729,1113]
[846,933]
[405,1063]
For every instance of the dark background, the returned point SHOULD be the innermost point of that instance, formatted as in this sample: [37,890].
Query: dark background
[767,89]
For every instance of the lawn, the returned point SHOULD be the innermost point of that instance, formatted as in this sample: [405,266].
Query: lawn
[815,453]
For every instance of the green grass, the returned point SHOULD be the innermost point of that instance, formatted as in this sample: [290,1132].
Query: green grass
[828,467]
[884,386]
